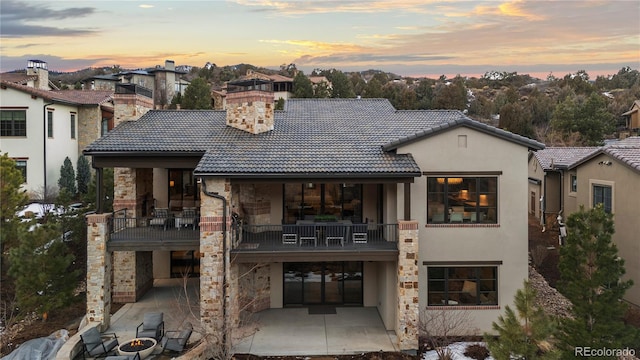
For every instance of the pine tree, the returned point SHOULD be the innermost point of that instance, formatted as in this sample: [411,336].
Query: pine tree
[527,334]
[40,265]
[83,177]
[197,96]
[590,272]
[67,179]
[12,199]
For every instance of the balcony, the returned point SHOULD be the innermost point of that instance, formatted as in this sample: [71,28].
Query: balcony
[139,234]
[315,241]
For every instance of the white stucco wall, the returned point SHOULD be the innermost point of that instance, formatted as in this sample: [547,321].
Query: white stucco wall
[31,147]
[507,242]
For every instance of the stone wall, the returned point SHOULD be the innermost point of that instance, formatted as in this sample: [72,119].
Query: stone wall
[213,258]
[252,203]
[408,314]
[99,269]
[89,126]
[254,287]
[132,275]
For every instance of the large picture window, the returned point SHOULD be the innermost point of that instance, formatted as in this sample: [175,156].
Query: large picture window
[13,123]
[462,200]
[453,286]
[309,200]
[602,195]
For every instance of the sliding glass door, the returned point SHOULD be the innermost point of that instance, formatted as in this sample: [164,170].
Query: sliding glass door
[336,283]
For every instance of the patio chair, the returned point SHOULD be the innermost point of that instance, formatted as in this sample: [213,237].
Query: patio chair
[152,326]
[175,340]
[307,235]
[455,217]
[95,344]
[359,233]
[123,357]
[335,232]
[160,218]
[188,218]
[289,234]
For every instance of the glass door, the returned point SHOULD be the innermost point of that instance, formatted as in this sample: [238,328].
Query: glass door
[335,283]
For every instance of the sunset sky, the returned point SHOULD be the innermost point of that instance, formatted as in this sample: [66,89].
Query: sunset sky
[411,38]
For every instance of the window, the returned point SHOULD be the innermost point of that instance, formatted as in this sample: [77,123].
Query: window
[602,195]
[72,124]
[22,166]
[13,123]
[308,200]
[50,124]
[462,200]
[462,285]
[105,126]
[574,182]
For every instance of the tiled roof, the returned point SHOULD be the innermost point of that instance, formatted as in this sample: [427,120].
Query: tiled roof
[17,78]
[562,157]
[627,151]
[311,137]
[74,97]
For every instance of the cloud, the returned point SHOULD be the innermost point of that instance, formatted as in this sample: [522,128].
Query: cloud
[146,6]
[288,8]
[16,18]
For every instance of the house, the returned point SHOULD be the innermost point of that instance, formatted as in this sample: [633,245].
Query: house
[547,173]
[41,127]
[163,82]
[632,116]
[346,202]
[36,76]
[593,175]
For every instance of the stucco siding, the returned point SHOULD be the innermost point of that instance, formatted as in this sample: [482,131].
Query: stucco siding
[625,204]
[506,242]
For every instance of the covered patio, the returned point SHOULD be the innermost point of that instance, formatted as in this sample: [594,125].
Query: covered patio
[288,331]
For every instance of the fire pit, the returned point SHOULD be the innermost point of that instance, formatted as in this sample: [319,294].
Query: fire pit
[144,346]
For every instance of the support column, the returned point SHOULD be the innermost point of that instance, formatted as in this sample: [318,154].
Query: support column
[98,270]
[408,314]
[214,259]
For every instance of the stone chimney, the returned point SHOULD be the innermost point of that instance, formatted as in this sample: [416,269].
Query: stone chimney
[39,68]
[130,102]
[250,105]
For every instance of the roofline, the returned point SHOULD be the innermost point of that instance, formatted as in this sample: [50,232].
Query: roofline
[143,153]
[602,151]
[465,121]
[332,175]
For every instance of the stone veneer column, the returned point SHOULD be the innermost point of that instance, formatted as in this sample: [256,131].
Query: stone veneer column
[98,270]
[408,305]
[213,258]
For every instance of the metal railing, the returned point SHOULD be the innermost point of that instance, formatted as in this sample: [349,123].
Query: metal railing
[316,235]
[123,227]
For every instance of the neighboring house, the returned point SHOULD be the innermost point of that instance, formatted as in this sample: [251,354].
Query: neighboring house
[35,76]
[633,118]
[587,176]
[345,202]
[40,128]
[163,82]
[547,172]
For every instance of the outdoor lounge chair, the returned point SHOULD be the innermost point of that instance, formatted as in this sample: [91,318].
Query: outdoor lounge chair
[95,344]
[307,235]
[188,218]
[359,233]
[335,232]
[289,235]
[175,340]
[160,218]
[124,357]
[152,326]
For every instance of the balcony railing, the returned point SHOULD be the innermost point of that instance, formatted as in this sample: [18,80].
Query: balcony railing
[147,229]
[314,236]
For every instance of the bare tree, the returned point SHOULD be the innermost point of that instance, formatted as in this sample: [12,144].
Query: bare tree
[440,327]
